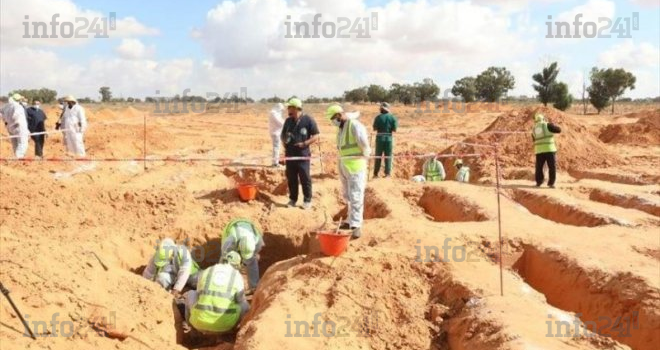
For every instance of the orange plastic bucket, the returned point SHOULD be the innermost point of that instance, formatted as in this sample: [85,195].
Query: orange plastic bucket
[247,191]
[333,244]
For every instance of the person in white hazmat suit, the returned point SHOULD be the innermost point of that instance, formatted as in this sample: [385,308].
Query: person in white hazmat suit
[13,115]
[172,266]
[275,124]
[353,146]
[74,124]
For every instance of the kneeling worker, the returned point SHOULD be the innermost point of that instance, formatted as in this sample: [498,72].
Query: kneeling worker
[434,170]
[172,267]
[218,304]
[243,237]
[463,173]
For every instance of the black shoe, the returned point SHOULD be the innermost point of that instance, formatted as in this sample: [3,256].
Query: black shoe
[357,233]
[538,185]
[551,186]
[345,226]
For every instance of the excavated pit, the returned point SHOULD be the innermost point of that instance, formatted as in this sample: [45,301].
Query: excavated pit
[619,306]
[625,201]
[419,306]
[554,210]
[641,179]
[374,208]
[447,207]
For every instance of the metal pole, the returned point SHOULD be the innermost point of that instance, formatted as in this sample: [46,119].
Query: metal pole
[321,157]
[5,292]
[499,217]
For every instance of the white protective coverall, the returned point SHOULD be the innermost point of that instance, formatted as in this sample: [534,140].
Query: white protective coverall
[74,124]
[354,185]
[174,275]
[13,115]
[275,124]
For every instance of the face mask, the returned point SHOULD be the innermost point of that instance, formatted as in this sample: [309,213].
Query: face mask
[37,106]
[336,122]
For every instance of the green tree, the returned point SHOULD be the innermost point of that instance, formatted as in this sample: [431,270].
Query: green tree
[357,95]
[546,83]
[106,94]
[376,93]
[427,90]
[493,83]
[465,88]
[43,95]
[598,94]
[562,99]
[616,83]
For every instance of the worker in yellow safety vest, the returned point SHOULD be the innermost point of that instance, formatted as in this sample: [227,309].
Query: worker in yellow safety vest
[354,150]
[218,305]
[172,267]
[543,135]
[433,170]
[243,236]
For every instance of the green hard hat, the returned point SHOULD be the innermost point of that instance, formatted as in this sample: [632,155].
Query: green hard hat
[332,110]
[232,258]
[294,102]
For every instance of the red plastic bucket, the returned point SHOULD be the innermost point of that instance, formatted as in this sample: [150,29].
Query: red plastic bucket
[333,244]
[247,191]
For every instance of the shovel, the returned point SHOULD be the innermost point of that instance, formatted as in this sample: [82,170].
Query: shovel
[5,292]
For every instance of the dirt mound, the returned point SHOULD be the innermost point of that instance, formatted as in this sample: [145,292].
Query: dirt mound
[104,114]
[646,131]
[578,148]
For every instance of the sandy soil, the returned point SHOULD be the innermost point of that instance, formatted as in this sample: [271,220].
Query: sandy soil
[425,275]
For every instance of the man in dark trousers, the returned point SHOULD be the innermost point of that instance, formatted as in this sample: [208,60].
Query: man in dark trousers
[385,124]
[545,149]
[37,123]
[298,133]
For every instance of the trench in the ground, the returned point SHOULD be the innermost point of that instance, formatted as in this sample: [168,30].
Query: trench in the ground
[278,247]
[643,179]
[443,206]
[609,305]
[625,201]
[374,208]
[554,210]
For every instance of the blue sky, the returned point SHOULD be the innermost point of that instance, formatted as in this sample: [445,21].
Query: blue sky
[220,46]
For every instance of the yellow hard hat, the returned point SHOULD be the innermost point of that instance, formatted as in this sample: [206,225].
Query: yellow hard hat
[458,162]
[70,98]
[538,117]
[17,97]
[332,110]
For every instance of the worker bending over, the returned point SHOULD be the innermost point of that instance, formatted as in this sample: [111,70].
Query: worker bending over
[243,237]
[545,149]
[172,267]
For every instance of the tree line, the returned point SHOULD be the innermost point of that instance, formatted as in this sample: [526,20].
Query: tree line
[607,86]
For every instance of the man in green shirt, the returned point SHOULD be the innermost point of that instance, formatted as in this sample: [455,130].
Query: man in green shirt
[385,125]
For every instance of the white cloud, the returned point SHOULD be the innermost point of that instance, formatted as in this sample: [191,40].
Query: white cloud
[134,49]
[18,18]
[648,3]
[629,54]
[409,35]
